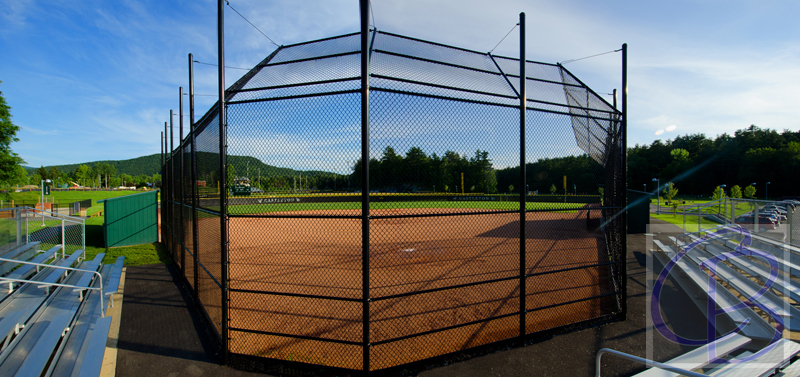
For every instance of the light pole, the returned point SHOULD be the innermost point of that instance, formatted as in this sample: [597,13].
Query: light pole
[575,188]
[42,201]
[644,187]
[766,190]
[658,196]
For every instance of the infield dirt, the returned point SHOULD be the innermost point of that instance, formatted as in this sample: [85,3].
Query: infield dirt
[323,257]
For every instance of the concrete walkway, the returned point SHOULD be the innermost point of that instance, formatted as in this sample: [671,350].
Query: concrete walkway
[162,336]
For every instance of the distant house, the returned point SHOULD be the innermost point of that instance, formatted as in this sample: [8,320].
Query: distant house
[200,183]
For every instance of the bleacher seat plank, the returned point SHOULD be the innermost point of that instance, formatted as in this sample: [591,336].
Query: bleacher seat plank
[57,273]
[92,361]
[19,249]
[9,322]
[116,275]
[24,270]
[757,328]
[75,349]
[30,359]
[24,252]
[747,287]
[762,273]
[793,370]
[86,277]
[765,365]
[699,357]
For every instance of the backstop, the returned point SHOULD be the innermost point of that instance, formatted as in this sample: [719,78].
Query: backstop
[366,222]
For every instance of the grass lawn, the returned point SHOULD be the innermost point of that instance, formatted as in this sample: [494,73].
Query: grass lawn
[134,255]
[691,222]
[71,196]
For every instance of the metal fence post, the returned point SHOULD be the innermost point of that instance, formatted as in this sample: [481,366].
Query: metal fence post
[364,10]
[624,189]
[193,162]
[223,186]
[522,179]
[63,240]
[180,185]
[19,227]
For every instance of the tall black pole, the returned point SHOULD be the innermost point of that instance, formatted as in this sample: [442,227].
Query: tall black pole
[364,8]
[614,93]
[171,195]
[624,194]
[162,151]
[223,171]
[193,162]
[522,178]
[171,178]
[181,186]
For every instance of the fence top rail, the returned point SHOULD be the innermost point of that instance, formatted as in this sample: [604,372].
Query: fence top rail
[54,215]
[151,192]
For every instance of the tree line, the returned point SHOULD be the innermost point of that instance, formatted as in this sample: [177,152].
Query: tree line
[750,157]
[99,175]
[418,172]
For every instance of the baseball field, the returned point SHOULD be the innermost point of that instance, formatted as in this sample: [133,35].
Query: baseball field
[298,272]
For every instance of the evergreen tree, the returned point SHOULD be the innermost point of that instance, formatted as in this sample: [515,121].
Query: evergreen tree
[10,162]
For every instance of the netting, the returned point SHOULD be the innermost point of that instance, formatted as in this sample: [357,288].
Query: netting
[448,244]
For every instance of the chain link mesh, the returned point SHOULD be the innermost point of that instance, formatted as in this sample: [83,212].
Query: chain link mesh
[24,225]
[444,241]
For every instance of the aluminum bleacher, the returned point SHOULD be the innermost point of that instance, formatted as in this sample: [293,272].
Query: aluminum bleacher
[53,307]
[743,268]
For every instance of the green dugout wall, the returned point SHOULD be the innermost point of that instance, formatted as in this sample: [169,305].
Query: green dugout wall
[131,219]
[638,211]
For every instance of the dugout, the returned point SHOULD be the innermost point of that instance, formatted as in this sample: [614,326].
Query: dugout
[130,219]
[638,211]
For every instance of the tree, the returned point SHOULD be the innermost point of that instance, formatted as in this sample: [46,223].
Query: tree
[9,161]
[43,173]
[82,172]
[719,193]
[750,192]
[670,191]
[95,173]
[736,192]
[54,174]
[510,189]
[553,189]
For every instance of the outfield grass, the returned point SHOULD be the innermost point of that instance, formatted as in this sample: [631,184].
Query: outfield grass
[288,207]
[72,196]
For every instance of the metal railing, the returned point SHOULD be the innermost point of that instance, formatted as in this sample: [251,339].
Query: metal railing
[100,279]
[649,363]
[49,228]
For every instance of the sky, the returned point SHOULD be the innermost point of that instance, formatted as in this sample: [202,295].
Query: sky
[95,80]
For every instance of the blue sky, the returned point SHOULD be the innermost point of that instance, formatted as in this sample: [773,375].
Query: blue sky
[95,80]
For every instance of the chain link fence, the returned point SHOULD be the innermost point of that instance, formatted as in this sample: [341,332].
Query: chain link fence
[330,242]
[22,225]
